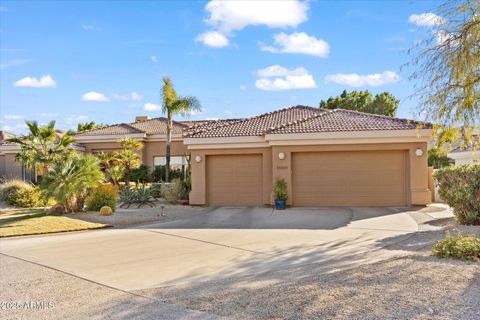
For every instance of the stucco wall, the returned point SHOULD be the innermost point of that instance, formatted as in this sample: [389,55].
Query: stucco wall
[418,192]
[9,167]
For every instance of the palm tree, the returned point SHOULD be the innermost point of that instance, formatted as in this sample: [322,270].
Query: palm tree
[68,182]
[85,126]
[43,145]
[174,105]
[128,158]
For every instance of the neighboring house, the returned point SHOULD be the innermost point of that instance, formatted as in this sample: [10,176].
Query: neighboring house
[327,157]
[9,168]
[153,134]
[465,154]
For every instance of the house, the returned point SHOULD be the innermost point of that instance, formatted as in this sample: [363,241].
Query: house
[327,157]
[465,154]
[9,168]
[153,134]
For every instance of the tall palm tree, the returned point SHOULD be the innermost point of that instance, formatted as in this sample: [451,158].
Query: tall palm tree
[172,104]
[43,145]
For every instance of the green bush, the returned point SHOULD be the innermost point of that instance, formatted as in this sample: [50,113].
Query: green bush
[173,191]
[158,174]
[157,190]
[27,198]
[10,187]
[459,187]
[106,211]
[458,247]
[104,195]
[139,195]
[280,190]
[140,174]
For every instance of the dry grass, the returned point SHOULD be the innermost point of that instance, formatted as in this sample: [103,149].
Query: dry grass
[20,222]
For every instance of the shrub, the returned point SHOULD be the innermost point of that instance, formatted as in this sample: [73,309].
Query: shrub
[173,191]
[459,187]
[139,174]
[280,190]
[10,187]
[140,195]
[26,198]
[103,195]
[157,190]
[158,174]
[458,247]
[106,211]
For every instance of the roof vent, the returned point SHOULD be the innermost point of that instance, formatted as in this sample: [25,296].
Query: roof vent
[141,118]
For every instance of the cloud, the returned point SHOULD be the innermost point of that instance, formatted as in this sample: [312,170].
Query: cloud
[125,97]
[154,59]
[89,27]
[356,80]
[135,96]
[44,82]
[152,106]
[213,39]
[74,118]
[276,77]
[48,114]
[279,71]
[95,96]
[426,19]
[13,117]
[298,42]
[13,63]
[243,87]
[227,16]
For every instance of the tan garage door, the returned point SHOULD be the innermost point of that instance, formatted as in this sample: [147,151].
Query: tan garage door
[234,180]
[352,178]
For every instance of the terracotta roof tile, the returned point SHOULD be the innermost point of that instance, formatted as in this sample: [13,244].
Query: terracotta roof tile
[256,126]
[115,129]
[158,126]
[347,120]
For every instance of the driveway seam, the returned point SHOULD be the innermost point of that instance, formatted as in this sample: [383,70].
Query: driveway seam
[208,242]
[79,277]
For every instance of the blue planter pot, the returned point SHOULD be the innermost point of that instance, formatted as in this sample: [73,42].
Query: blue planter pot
[280,204]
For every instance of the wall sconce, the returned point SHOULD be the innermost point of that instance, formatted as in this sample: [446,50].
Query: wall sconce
[281,156]
[198,158]
[419,152]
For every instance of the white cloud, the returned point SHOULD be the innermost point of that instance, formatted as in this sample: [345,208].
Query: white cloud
[279,71]
[89,27]
[426,19]
[44,82]
[48,114]
[8,128]
[152,106]
[279,78]
[74,118]
[135,96]
[298,42]
[228,16]
[94,96]
[13,117]
[356,80]
[243,87]
[154,59]
[213,39]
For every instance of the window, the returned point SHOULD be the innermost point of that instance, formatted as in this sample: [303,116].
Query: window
[176,163]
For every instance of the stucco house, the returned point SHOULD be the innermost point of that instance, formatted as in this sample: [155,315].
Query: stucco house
[327,157]
[465,155]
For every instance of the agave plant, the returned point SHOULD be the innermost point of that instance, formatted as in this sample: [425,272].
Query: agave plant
[140,195]
[128,197]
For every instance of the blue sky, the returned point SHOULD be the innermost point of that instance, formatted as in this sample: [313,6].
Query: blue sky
[79,61]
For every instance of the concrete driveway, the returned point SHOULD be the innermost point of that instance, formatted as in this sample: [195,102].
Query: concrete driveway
[219,243]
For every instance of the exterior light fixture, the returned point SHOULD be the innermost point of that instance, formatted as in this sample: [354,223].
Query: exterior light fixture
[281,156]
[419,152]
[198,158]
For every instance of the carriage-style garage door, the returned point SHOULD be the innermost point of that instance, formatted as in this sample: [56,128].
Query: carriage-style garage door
[234,180]
[350,178]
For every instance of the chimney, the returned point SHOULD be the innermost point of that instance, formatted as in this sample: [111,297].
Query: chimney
[141,118]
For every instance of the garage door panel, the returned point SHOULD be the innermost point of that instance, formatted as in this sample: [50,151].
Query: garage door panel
[234,180]
[350,178]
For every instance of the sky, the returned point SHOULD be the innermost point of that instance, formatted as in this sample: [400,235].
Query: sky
[78,61]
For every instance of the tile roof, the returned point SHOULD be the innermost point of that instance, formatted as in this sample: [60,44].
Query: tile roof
[114,129]
[256,126]
[304,119]
[461,146]
[158,126]
[339,120]
[4,135]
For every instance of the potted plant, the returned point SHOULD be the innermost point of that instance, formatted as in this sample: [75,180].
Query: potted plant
[281,194]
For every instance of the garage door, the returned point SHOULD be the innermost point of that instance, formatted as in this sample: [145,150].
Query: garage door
[354,178]
[234,180]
